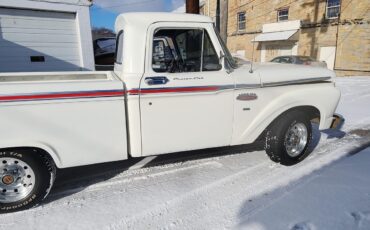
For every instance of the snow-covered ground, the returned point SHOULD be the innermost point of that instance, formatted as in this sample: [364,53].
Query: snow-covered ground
[224,188]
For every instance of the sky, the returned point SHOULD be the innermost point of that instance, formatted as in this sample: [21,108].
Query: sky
[104,12]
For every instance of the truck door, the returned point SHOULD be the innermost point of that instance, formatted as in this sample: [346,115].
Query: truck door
[186,95]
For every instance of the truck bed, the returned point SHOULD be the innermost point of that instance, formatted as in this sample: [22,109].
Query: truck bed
[54,76]
[79,118]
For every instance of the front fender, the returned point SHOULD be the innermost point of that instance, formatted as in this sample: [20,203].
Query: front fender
[274,101]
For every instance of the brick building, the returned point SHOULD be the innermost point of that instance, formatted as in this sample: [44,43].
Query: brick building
[301,27]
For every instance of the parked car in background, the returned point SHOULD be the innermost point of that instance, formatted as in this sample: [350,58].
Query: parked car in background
[104,49]
[300,60]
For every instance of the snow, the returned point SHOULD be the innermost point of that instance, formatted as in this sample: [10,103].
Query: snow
[355,101]
[338,197]
[223,188]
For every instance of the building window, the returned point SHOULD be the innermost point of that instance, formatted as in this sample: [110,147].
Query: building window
[282,15]
[332,9]
[241,21]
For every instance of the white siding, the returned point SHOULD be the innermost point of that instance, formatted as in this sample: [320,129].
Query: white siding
[26,33]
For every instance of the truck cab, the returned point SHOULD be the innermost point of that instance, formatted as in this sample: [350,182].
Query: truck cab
[186,90]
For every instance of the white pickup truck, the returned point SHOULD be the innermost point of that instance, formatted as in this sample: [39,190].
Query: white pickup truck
[175,87]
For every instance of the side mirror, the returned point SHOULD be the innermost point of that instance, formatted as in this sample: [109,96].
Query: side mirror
[158,51]
[162,56]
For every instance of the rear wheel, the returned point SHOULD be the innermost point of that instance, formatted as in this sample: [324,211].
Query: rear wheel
[26,178]
[288,138]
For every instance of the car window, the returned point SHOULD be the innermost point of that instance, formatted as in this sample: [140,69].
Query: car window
[190,48]
[119,48]
[107,45]
[183,50]
[286,60]
[277,60]
[229,60]
[210,58]
[304,58]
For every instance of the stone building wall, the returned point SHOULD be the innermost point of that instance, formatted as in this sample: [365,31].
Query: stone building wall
[352,55]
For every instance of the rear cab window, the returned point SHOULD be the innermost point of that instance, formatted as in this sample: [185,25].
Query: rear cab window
[119,48]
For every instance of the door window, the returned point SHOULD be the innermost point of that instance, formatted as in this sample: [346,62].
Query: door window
[183,50]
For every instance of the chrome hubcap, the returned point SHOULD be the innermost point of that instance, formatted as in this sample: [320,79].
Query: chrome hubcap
[296,139]
[17,180]
[8,179]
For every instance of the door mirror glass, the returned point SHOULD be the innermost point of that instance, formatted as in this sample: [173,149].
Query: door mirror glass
[162,55]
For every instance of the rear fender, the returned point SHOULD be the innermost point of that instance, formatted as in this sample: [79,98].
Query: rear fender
[34,144]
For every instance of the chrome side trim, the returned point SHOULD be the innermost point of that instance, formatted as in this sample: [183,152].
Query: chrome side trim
[293,82]
[220,88]
[247,86]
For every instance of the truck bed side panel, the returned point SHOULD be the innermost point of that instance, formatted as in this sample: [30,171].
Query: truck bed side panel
[76,127]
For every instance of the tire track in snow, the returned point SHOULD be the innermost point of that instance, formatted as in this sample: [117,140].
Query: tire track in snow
[90,192]
[136,174]
[119,180]
[203,189]
[273,178]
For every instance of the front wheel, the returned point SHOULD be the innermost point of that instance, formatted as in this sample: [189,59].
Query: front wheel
[26,178]
[288,138]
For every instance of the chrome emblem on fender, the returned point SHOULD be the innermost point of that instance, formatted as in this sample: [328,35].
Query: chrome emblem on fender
[247,97]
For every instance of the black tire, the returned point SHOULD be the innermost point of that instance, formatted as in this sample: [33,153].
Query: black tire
[275,145]
[44,171]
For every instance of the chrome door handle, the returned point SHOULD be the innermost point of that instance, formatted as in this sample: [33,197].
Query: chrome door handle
[156,80]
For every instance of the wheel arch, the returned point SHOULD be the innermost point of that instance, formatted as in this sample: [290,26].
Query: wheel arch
[36,149]
[258,129]
[312,112]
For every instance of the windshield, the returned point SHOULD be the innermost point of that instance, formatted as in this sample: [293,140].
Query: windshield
[229,58]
